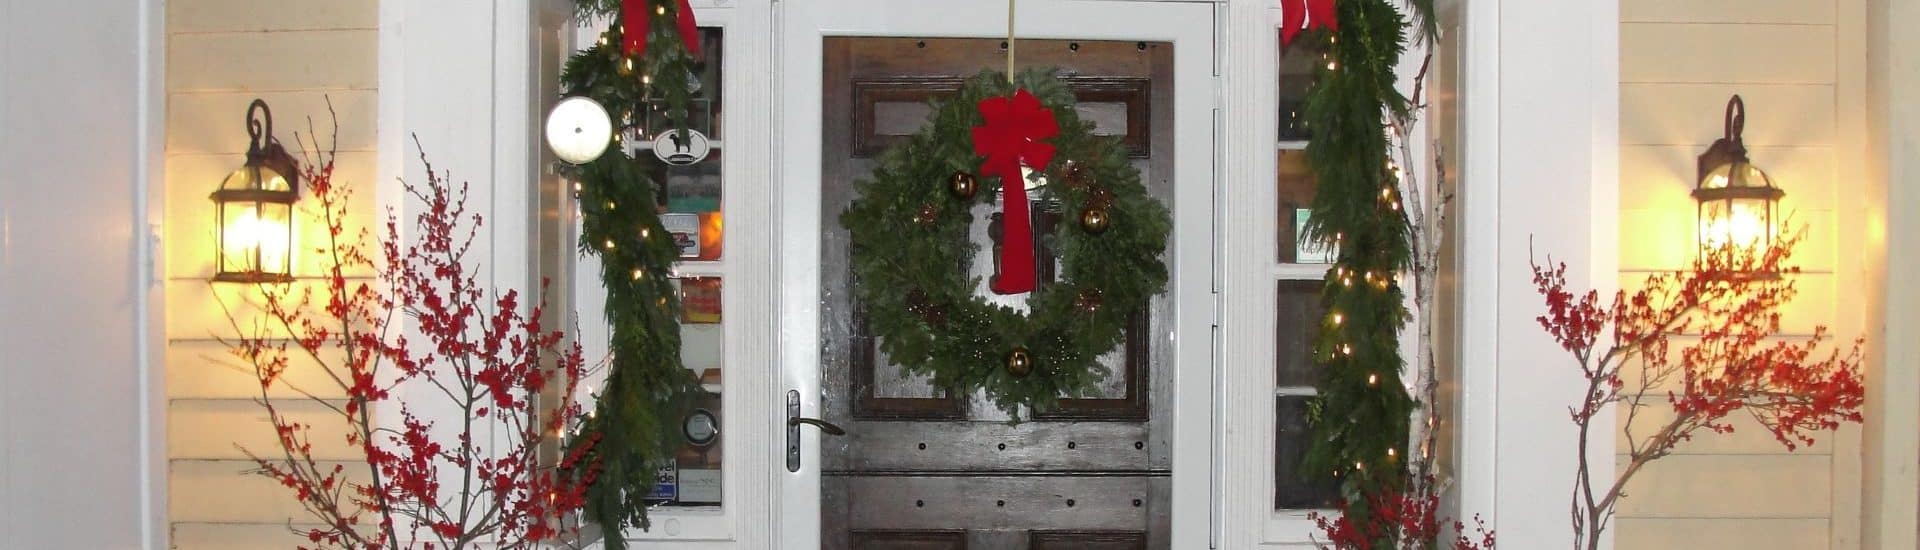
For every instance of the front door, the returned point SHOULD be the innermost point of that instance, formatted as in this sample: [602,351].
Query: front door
[921,468]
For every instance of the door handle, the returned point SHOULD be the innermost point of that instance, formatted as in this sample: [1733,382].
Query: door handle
[794,420]
[826,427]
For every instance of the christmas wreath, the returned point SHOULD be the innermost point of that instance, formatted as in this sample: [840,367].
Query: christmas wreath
[910,248]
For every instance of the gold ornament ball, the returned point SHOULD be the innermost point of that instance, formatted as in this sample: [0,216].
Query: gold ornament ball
[1019,362]
[962,186]
[1095,220]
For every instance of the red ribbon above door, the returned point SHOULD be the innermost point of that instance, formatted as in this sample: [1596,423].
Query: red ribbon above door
[635,15]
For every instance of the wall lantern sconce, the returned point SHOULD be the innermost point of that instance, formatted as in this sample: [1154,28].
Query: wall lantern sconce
[253,209]
[1739,205]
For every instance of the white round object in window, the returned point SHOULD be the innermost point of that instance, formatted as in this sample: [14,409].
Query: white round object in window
[579,130]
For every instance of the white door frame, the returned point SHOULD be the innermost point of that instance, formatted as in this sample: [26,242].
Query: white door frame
[802,26]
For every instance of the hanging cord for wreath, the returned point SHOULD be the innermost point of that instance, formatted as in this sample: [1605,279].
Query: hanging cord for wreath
[1010,4]
[1013,133]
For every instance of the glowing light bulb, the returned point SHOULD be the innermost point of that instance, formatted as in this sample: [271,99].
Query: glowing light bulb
[257,242]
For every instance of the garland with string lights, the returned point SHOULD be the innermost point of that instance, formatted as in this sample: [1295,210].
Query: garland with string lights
[910,247]
[634,428]
[1363,410]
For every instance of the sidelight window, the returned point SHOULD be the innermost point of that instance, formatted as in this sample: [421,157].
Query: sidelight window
[1300,267]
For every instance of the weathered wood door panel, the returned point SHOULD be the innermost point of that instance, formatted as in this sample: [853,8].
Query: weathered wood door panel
[923,469]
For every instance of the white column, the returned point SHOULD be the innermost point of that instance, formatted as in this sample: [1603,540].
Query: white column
[1891,471]
[1541,112]
[458,76]
[81,418]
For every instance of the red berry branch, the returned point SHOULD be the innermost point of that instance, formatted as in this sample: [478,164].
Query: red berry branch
[1705,342]
[490,476]
[1407,520]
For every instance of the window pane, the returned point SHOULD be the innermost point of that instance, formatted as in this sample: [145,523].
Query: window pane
[694,479]
[1299,313]
[687,168]
[1296,185]
[1291,489]
[1297,64]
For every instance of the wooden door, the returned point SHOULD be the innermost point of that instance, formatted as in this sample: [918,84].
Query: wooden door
[923,469]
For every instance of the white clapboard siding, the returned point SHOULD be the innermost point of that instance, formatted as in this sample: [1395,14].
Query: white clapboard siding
[1722,534]
[1679,62]
[1813,306]
[225,491]
[228,16]
[204,369]
[1792,12]
[278,60]
[1789,486]
[221,55]
[1771,54]
[1778,115]
[238,536]
[1749,437]
[214,122]
[229,429]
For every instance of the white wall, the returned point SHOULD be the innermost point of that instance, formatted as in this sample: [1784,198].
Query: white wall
[75,287]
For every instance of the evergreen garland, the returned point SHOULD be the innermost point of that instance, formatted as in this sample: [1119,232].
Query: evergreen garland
[1363,409]
[635,426]
[910,252]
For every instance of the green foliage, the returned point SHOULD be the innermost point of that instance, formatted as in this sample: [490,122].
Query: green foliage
[635,426]
[634,430]
[911,276]
[1361,431]
[628,85]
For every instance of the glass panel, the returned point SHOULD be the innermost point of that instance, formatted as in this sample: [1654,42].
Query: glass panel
[688,167]
[694,479]
[1291,489]
[1299,314]
[1297,64]
[1296,185]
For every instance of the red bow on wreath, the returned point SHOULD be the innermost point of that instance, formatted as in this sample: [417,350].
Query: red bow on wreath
[1299,15]
[634,15]
[1011,137]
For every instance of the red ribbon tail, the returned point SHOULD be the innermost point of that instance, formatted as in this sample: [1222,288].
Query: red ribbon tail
[689,29]
[1293,14]
[633,26]
[1016,245]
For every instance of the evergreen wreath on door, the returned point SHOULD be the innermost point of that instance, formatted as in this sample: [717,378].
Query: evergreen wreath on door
[910,250]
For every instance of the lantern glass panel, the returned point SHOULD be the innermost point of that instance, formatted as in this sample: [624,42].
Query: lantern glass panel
[261,178]
[256,237]
[1741,222]
[1736,175]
